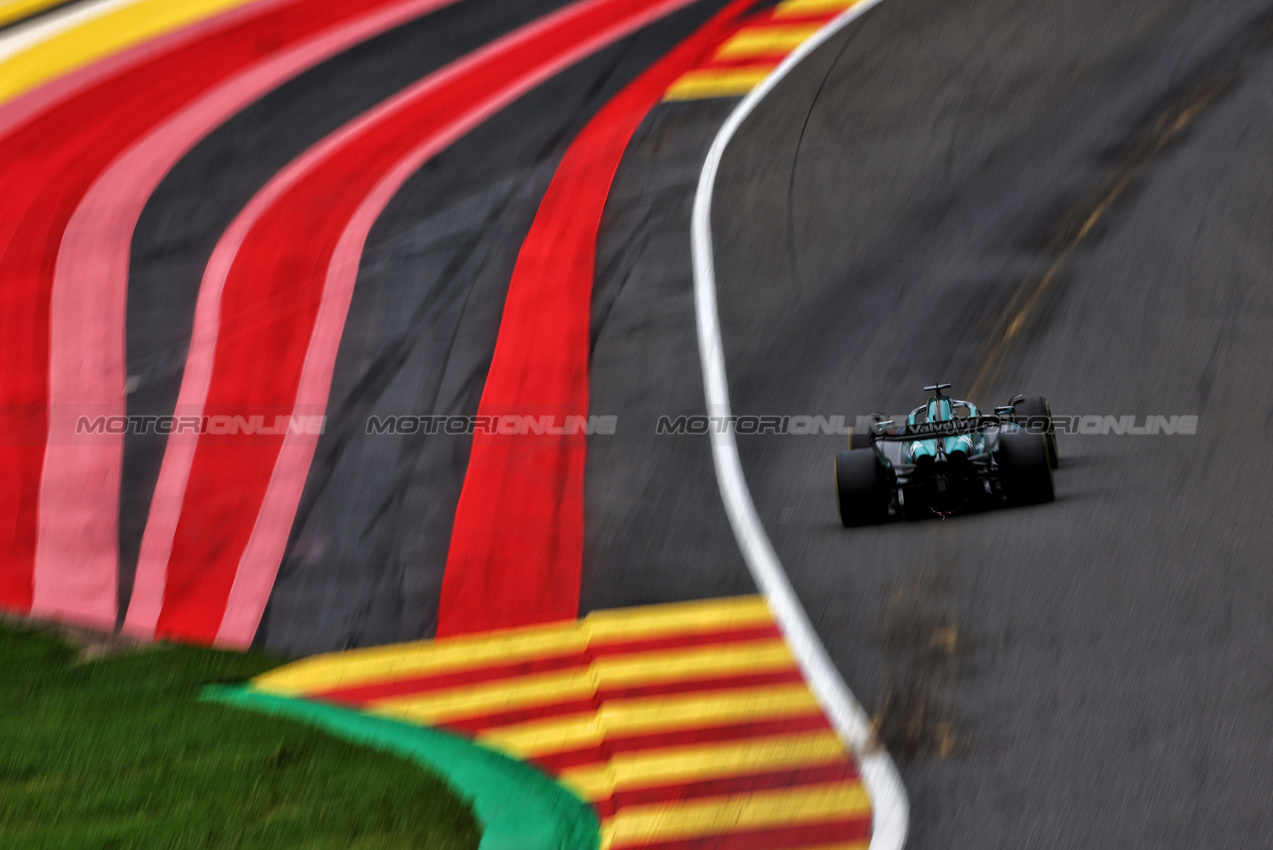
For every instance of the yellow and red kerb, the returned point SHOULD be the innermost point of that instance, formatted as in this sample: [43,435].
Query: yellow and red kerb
[753,50]
[685,725]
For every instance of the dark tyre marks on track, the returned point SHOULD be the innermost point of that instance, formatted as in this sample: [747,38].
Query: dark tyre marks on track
[655,529]
[1091,673]
[369,545]
[199,198]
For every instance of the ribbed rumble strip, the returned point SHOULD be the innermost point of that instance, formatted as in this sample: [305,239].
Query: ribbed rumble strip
[392,688]
[604,696]
[666,714]
[842,770]
[699,762]
[366,667]
[831,808]
[613,745]
[644,669]
[699,732]
[775,40]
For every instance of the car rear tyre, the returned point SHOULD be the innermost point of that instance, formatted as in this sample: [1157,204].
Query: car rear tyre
[861,487]
[1035,414]
[1024,468]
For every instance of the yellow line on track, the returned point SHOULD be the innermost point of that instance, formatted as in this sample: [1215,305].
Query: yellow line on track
[475,700]
[100,37]
[698,762]
[652,714]
[718,82]
[636,825]
[679,618]
[753,42]
[13,11]
[645,668]
[809,8]
[367,666]
[400,661]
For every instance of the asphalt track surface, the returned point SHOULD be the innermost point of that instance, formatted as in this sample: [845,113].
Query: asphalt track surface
[1087,673]
[1090,673]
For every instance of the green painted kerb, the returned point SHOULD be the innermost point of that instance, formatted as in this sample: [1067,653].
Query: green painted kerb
[520,808]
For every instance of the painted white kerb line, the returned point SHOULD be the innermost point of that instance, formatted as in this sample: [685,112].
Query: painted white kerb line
[53,23]
[890,809]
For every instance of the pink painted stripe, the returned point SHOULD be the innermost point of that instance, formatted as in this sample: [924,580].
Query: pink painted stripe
[76,562]
[260,561]
[76,555]
[166,504]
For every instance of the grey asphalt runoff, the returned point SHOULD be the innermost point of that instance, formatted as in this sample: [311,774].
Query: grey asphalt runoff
[654,526]
[1093,672]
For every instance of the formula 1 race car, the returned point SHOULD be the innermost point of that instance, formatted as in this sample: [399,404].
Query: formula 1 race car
[948,458]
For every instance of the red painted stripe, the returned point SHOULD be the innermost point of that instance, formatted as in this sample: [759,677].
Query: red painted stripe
[591,704]
[23,108]
[364,694]
[389,688]
[779,838]
[606,647]
[738,64]
[585,707]
[516,550]
[80,489]
[48,160]
[260,561]
[763,61]
[770,17]
[276,285]
[742,784]
[616,744]
[770,56]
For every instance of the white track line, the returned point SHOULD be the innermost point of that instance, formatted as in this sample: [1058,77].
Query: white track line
[890,808]
[24,36]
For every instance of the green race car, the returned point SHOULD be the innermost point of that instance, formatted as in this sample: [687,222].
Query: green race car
[948,458]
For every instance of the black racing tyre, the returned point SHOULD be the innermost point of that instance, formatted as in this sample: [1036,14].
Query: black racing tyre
[1024,468]
[1035,414]
[859,439]
[861,487]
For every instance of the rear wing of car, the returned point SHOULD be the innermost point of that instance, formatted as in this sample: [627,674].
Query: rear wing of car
[936,430]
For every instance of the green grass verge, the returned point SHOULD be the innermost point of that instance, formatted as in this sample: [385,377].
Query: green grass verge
[119,753]
[520,806]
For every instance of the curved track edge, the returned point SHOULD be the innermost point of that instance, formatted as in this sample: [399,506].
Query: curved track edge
[879,773]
